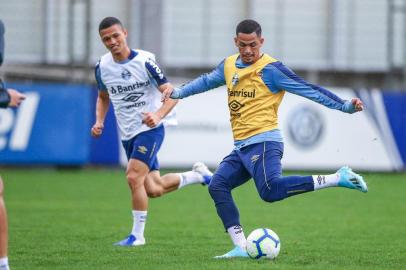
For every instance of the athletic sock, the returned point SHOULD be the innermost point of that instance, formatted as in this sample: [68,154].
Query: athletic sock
[325,181]
[237,236]
[4,264]
[188,178]
[139,219]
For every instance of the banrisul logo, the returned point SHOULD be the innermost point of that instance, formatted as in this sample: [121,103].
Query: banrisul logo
[125,74]
[133,97]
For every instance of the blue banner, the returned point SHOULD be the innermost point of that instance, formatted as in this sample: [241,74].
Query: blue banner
[50,127]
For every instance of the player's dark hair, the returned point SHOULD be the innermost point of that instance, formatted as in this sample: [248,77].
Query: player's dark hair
[109,21]
[248,27]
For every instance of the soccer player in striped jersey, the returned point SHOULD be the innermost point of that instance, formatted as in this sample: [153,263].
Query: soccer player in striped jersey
[256,84]
[132,81]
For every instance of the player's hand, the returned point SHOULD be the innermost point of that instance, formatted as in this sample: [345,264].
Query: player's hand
[151,119]
[358,105]
[166,93]
[15,98]
[97,129]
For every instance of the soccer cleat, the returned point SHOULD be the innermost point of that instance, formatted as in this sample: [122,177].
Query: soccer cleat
[202,169]
[349,179]
[236,252]
[131,241]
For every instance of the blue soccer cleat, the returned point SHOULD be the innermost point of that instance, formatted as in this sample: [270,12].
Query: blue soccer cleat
[131,241]
[349,179]
[202,169]
[236,252]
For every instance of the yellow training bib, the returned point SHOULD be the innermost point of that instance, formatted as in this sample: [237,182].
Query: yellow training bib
[253,107]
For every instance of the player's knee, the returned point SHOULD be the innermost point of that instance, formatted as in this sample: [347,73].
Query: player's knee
[216,186]
[154,193]
[135,179]
[272,192]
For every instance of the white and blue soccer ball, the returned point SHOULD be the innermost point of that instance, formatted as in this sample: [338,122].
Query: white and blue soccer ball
[263,243]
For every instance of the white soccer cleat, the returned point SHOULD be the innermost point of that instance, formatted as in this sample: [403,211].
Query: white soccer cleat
[202,169]
[131,241]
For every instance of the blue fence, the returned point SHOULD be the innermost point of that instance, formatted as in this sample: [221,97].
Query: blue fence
[52,127]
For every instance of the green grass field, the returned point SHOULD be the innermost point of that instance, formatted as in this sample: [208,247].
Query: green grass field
[68,219]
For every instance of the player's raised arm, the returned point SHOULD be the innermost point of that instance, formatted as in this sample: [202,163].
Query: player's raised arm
[199,85]
[279,77]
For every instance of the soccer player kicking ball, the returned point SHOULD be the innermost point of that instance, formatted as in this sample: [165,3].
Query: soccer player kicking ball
[132,81]
[256,83]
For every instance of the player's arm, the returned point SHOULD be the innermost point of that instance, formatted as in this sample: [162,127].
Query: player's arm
[278,77]
[201,84]
[102,105]
[152,119]
[8,97]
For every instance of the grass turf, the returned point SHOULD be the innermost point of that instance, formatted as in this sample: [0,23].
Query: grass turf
[68,219]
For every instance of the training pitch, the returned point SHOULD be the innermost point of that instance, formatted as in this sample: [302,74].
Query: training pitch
[69,219]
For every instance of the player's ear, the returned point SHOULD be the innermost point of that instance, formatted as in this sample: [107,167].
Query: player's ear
[235,41]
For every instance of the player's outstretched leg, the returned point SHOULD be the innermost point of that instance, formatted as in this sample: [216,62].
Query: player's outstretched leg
[344,177]
[236,252]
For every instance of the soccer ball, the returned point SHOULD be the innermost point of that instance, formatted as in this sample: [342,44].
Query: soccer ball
[263,243]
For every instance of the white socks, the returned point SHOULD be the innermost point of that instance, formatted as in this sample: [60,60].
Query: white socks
[237,236]
[4,264]
[188,178]
[140,217]
[325,181]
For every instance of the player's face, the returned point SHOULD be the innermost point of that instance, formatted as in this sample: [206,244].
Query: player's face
[249,46]
[115,39]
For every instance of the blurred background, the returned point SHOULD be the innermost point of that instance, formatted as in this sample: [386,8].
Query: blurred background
[352,47]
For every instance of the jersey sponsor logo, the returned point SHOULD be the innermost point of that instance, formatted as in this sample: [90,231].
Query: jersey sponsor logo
[235,105]
[158,71]
[305,126]
[235,79]
[242,93]
[142,149]
[125,74]
[133,97]
[118,89]
[19,125]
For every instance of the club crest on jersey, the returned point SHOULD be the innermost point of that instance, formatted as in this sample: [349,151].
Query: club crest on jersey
[235,79]
[125,74]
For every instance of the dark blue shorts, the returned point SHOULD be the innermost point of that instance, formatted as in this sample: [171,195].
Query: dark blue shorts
[145,147]
[261,161]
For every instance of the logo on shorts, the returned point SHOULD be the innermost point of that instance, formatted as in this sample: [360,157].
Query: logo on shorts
[142,149]
[254,158]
